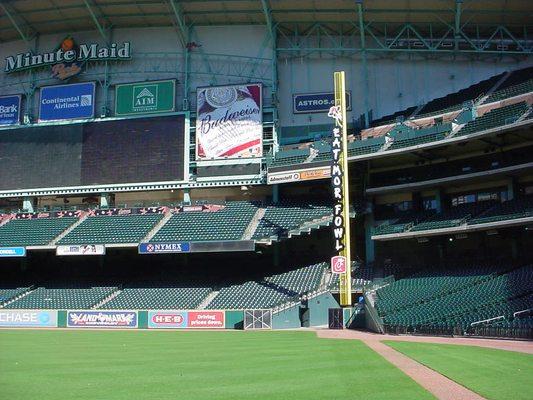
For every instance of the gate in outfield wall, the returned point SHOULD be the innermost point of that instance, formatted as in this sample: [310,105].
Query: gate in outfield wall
[257,319]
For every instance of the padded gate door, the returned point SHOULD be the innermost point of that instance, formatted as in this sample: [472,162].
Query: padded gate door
[257,319]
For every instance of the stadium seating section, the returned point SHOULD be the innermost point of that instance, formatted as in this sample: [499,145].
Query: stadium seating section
[229,223]
[281,218]
[33,232]
[471,214]
[494,118]
[456,298]
[112,229]
[158,298]
[267,292]
[271,291]
[69,297]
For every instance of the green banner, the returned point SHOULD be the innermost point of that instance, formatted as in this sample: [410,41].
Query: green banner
[145,97]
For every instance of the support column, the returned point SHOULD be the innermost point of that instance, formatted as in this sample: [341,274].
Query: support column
[370,246]
[364,75]
[511,189]
[275,194]
[27,204]
[186,196]
[438,200]
[104,200]
[275,254]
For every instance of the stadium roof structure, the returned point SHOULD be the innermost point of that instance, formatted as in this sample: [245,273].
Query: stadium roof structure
[382,22]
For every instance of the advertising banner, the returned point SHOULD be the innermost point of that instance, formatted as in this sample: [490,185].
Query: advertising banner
[206,319]
[10,110]
[145,97]
[12,252]
[81,250]
[299,175]
[66,102]
[229,122]
[317,102]
[159,248]
[167,319]
[28,318]
[102,319]
[173,319]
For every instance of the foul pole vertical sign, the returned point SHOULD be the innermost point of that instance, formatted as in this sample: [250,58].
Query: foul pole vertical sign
[341,263]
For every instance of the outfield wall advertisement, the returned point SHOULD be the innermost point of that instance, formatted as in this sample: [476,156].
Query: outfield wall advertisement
[28,318]
[102,319]
[173,319]
[12,252]
[67,102]
[229,122]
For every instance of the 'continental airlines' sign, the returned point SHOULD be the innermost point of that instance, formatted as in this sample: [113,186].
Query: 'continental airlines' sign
[66,54]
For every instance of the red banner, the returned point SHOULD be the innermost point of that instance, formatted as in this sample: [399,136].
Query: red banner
[206,319]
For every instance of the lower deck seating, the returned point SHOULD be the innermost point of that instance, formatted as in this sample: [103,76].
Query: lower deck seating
[68,297]
[270,291]
[448,301]
[158,298]
[10,293]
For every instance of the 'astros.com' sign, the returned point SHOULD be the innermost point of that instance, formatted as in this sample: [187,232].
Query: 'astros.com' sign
[317,102]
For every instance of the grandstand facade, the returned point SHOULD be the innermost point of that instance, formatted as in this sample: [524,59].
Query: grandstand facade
[175,155]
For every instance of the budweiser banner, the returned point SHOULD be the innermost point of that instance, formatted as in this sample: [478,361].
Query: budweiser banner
[229,122]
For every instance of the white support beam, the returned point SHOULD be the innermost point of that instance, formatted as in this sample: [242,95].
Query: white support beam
[99,27]
[183,31]
[12,15]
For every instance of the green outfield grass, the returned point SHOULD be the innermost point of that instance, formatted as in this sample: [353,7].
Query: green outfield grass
[108,365]
[494,374]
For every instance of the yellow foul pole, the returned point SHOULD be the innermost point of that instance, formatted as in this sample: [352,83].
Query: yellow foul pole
[341,264]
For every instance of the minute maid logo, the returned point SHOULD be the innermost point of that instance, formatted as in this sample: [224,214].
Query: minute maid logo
[68,58]
[144,98]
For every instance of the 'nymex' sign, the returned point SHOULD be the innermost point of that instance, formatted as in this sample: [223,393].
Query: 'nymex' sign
[68,57]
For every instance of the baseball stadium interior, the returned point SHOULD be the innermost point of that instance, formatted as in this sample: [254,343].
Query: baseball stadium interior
[126,184]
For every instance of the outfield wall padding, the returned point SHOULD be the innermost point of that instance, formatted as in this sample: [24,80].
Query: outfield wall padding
[318,308]
[287,319]
[234,319]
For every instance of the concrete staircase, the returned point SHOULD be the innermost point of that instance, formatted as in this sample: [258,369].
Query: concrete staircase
[107,299]
[210,297]
[252,226]
[157,228]
[496,86]
[20,296]
[68,230]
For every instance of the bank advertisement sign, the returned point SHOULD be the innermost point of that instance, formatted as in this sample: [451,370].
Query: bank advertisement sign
[12,252]
[229,122]
[102,319]
[172,319]
[317,102]
[145,97]
[67,102]
[28,318]
[10,110]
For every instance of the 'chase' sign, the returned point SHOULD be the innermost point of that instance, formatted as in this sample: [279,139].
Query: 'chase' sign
[10,110]
[66,102]
[317,102]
